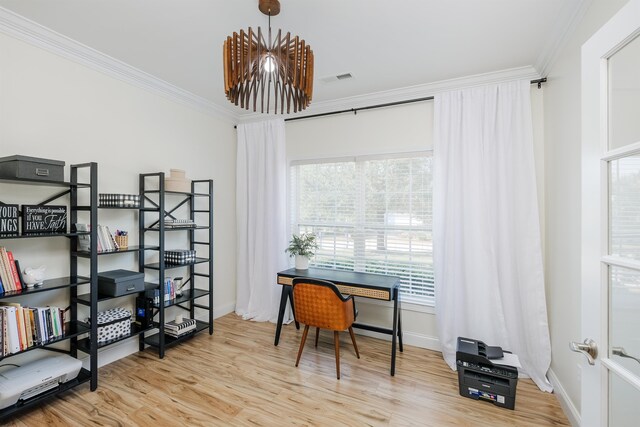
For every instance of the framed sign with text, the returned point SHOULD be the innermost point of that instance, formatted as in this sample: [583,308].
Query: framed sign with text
[8,220]
[44,219]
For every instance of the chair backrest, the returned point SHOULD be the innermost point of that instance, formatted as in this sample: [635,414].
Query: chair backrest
[319,303]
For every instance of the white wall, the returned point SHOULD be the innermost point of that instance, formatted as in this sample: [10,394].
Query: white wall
[405,128]
[54,108]
[563,188]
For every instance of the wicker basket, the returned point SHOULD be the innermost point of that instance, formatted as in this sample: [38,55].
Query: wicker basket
[122,241]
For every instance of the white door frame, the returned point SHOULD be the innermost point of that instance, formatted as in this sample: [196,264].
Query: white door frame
[617,32]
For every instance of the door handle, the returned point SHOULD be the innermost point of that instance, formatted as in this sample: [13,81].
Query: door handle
[589,348]
[620,351]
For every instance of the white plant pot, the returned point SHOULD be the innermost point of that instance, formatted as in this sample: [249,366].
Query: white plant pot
[302,262]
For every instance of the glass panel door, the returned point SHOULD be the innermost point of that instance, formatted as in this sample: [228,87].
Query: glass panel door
[622,358]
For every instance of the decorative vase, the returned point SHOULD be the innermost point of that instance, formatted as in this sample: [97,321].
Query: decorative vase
[302,262]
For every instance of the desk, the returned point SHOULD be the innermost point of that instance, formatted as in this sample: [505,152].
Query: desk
[374,286]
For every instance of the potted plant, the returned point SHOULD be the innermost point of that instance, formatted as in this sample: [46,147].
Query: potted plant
[302,247]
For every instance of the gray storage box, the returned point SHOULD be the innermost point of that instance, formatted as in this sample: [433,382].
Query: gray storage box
[116,283]
[23,167]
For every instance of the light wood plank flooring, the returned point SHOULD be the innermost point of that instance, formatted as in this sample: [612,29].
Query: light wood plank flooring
[237,377]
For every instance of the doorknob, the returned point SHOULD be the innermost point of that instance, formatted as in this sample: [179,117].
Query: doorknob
[589,348]
[620,351]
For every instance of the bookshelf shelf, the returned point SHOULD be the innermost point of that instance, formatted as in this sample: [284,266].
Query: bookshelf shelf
[154,340]
[188,296]
[83,345]
[133,248]
[199,227]
[72,330]
[41,182]
[40,235]
[157,265]
[48,285]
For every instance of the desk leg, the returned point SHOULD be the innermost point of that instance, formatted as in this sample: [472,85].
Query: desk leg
[400,323]
[283,305]
[394,332]
[293,310]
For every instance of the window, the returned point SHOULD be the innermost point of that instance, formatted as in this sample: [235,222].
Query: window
[370,214]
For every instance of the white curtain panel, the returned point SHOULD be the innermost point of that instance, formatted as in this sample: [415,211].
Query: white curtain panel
[487,251]
[261,218]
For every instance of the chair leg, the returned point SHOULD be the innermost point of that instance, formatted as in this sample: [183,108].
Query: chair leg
[317,335]
[336,340]
[353,340]
[304,338]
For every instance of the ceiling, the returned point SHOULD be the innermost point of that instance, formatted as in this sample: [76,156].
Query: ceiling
[385,45]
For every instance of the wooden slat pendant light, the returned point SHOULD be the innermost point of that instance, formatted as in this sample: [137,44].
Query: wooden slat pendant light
[267,73]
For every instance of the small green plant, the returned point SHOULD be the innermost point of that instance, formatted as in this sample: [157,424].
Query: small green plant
[304,244]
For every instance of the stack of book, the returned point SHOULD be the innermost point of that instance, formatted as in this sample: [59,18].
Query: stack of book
[177,330]
[178,223]
[106,241]
[10,274]
[25,327]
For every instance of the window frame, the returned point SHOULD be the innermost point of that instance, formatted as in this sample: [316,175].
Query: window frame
[421,303]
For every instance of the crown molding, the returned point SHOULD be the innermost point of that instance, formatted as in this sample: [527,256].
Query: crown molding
[559,39]
[407,93]
[23,29]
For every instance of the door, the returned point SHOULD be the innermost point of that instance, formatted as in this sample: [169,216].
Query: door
[611,222]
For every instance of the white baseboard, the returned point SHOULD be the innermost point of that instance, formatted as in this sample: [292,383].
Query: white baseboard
[566,403]
[409,338]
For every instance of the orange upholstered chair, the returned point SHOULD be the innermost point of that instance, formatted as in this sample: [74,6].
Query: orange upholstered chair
[319,303]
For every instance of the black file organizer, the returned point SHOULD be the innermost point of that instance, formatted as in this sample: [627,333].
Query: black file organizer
[481,379]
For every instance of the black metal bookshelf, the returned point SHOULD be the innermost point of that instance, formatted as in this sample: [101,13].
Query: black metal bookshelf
[72,329]
[157,205]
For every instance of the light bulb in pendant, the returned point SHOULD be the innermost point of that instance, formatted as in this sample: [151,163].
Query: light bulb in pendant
[269,63]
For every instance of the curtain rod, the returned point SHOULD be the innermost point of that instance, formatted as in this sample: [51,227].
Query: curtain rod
[388,104]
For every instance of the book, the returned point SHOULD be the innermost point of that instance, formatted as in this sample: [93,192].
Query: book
[55,325]
[22,333]
[14,271]
[179,329]
[26,313]
[2,334]
[42,320]
[13,340]
[22,282]
[112,240]
[5,272]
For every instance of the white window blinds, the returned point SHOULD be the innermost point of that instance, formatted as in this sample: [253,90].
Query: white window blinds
[370,214]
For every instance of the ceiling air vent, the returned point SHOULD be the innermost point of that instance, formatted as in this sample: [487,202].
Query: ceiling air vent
[344,76]
[332,79]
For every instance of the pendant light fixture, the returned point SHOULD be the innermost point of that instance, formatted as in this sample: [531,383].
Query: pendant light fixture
[268,72]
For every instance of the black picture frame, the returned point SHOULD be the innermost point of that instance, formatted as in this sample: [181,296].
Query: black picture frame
[44,219]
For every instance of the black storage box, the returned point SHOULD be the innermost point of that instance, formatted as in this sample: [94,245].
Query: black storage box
[180,256]
[24,167]
[116,283]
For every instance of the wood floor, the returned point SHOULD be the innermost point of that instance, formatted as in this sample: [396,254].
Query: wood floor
[237,377]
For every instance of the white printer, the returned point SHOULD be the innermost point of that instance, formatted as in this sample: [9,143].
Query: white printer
[38,372]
